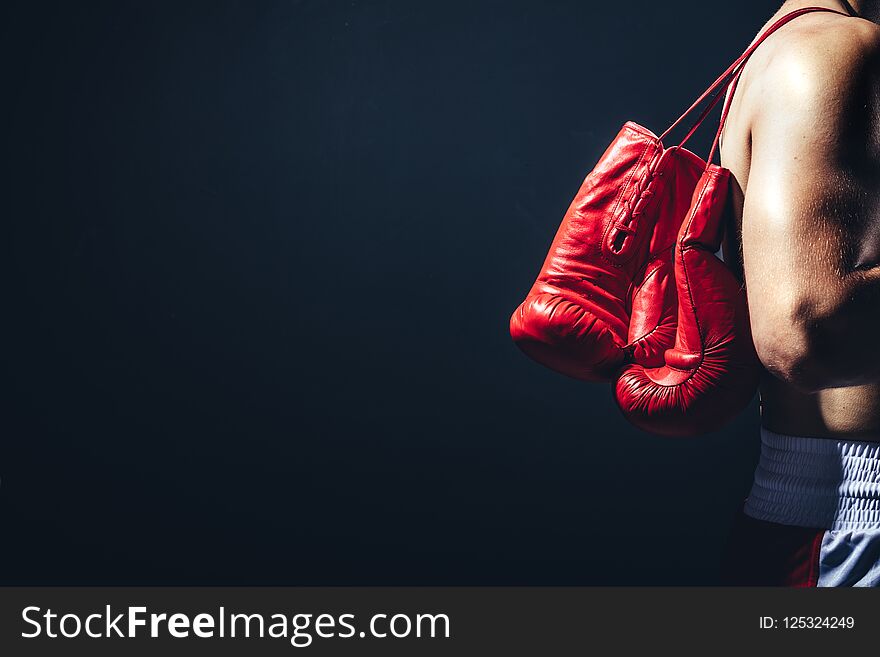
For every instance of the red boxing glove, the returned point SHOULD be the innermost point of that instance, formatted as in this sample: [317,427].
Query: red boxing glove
[712,372]
[608,264]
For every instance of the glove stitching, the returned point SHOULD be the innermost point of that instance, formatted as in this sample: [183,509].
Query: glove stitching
[617,201]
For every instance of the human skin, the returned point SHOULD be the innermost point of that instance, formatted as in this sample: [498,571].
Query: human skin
[803,144]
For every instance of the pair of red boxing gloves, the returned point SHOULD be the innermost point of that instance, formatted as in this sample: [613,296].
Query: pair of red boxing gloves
[632,293]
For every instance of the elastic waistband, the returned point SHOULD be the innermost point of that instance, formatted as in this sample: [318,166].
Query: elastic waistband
[816,482]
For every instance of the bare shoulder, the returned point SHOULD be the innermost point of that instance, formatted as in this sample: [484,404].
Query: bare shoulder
[819,62]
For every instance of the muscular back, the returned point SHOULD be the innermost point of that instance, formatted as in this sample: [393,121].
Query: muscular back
[803,144]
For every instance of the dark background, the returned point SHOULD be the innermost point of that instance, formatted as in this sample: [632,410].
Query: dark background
[258,260]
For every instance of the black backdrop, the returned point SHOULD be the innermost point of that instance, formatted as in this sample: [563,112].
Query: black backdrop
[258,260]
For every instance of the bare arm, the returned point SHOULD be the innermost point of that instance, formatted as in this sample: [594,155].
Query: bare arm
[811,216]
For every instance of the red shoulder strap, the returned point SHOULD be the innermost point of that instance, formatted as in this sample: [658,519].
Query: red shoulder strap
[724,113]
[731,76]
